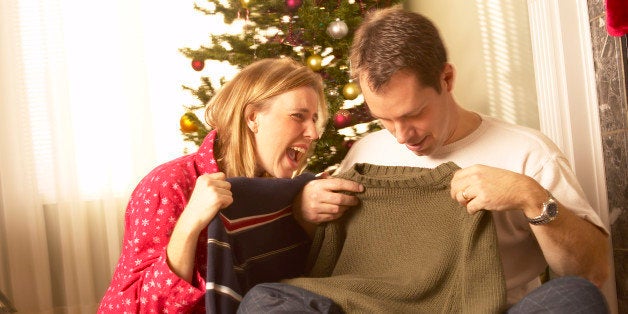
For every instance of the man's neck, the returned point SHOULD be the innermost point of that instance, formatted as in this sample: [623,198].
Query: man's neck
[467,122]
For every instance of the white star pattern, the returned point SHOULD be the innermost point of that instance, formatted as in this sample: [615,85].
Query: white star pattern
[142,281]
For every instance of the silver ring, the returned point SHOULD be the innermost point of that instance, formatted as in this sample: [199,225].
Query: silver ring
[464,195]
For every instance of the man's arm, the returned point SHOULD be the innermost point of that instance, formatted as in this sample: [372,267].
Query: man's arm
[574,246]
[570,244]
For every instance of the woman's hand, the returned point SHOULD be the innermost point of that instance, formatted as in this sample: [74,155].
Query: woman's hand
[211,194]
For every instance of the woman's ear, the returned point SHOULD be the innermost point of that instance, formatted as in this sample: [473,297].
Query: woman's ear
[251,120]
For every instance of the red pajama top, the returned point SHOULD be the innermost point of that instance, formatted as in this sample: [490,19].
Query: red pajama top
[142,281]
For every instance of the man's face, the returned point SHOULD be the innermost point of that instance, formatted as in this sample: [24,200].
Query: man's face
[418,116]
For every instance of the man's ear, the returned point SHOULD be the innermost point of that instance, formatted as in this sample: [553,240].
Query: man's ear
[251,119]
[448,77]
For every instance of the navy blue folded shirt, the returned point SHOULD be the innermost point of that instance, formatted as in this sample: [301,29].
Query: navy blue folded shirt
[256,239]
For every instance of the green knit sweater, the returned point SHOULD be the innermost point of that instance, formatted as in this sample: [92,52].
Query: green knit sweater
[407,248]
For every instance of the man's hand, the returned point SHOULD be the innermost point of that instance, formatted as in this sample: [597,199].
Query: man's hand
[482,187]
[570,244]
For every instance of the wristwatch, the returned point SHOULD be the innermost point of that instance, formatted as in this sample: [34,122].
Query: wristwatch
[550,211]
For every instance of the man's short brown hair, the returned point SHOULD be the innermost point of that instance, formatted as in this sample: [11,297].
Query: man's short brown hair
[393,39]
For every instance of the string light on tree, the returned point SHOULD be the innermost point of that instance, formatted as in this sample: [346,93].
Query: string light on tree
[245,3]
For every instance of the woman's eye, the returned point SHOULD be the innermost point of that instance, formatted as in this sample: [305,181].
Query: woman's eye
[299,116]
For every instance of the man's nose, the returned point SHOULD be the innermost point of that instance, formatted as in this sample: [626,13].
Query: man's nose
[402,132]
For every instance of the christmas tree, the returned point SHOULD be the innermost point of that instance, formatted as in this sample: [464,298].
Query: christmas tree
[317,33]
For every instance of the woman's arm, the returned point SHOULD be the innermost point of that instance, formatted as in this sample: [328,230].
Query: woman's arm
[144,279]
[324,200]
[210,194]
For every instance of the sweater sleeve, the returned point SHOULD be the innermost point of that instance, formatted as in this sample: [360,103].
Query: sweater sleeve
[143,281]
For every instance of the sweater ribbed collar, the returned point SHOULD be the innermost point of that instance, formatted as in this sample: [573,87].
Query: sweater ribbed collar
[400,176]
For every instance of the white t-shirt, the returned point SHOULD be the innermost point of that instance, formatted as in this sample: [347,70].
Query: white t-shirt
[502,145]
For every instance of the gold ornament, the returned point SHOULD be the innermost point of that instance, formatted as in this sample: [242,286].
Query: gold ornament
[245,3]
[187,123]
[351,91]
[315,62]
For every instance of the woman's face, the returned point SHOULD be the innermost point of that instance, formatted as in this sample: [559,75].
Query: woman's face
[284,131]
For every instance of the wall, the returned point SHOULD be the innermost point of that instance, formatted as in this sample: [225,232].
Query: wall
[610,59]
[489,44]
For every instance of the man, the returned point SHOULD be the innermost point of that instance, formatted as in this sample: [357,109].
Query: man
[517,174]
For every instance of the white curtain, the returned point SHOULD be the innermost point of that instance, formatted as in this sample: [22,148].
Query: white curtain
[90,97]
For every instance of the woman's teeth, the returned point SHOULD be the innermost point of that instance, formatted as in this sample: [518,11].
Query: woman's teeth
[295,153]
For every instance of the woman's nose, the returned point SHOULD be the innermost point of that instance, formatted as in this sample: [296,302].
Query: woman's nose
[311,132]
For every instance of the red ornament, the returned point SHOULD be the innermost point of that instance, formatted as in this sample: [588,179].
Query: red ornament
[293,5]
[348,143]
[342,119]
[198,64]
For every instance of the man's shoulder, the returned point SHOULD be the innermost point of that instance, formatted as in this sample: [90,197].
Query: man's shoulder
[379,148]
[377,142]
[514,133]
[381,137]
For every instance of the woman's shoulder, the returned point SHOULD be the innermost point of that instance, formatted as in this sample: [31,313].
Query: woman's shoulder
[179,173]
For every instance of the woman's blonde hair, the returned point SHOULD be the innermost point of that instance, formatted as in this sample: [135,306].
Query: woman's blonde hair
[249,91]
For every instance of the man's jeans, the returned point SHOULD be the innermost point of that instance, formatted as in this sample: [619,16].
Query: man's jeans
[569,295]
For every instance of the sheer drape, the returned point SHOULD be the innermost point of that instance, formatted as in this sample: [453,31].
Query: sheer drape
[89,102]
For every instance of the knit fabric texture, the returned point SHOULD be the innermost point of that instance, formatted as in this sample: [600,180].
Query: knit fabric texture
[254,240]
[407,248]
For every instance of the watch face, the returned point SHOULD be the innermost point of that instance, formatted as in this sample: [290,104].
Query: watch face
[552,209]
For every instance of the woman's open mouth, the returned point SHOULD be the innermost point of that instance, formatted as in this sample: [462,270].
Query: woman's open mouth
[295,153]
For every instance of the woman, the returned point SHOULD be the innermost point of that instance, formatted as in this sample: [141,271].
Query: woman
[264,123]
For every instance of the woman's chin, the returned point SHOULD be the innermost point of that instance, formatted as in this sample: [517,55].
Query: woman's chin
[284,172]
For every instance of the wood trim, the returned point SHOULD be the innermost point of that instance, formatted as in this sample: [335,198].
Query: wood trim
[567,98]
[566,90]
